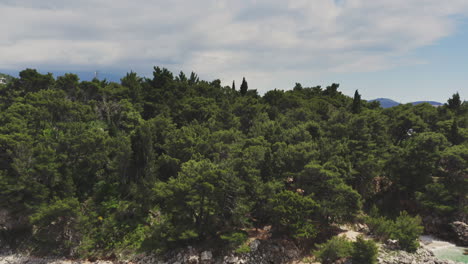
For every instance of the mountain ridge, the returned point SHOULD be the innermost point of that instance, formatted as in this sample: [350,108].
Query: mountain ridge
[387,102]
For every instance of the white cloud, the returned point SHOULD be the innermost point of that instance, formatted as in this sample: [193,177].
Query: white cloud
[264,39]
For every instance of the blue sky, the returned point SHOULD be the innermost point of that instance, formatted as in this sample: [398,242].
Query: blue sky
[443,72]
[406,50]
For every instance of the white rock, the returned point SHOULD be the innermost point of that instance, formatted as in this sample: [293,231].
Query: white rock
[232,259]
[193,259]
[206,255]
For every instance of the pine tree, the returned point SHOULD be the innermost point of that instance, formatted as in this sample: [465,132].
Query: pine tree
[356,107]
[233,85]
[193,79]
[244,87]
[298,87]
[182,77]
[454,135]
[454,103]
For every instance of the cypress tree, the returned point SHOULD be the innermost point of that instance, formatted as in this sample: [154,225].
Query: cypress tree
[244,87]
[356,107]
[233,85]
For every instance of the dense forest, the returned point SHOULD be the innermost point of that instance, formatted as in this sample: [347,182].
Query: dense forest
[88,168]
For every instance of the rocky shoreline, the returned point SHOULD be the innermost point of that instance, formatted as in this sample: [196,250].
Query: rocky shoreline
[422,255]
[261,252]
[274,251]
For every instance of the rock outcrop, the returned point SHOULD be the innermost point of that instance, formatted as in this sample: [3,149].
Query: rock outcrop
[271,251]
[261,251]
[461,231]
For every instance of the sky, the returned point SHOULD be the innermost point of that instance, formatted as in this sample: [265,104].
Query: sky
[406,50]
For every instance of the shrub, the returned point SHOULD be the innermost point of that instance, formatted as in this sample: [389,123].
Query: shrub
[243,249]
[235,239]
[407,230]
[334,249]
[380,227]
[56,226]
[293,213]
[364,251]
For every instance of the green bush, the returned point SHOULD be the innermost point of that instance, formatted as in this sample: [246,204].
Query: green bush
[56,226]
[334,249]
[407,230]
[364,251]
[380,227]
[236,238]
[293,213]
[243,249]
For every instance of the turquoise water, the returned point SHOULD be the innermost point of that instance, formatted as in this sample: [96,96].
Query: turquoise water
[444,250]
[452,253]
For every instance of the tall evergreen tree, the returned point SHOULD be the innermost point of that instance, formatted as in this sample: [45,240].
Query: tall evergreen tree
[244,87]
[356,107]
[298,87]
[454,135]
[331,90]
[182,77]
[233,85]
[193,79]
[454,103]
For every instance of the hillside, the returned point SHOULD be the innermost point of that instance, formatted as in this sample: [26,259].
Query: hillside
[98,169]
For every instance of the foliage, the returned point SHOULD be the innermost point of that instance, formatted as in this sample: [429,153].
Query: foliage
[334,249]
[57,225]
[294,213]
[364,251]
[235,238]
[244,87]
[99,167]
[356,106]
[407,230]
[436,199]
[338,201]
[361,251]
[454,103]
[381,227]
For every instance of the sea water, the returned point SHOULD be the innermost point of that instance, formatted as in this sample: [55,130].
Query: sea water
[444,250]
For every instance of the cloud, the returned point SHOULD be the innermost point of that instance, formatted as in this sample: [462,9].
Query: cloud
[264,39]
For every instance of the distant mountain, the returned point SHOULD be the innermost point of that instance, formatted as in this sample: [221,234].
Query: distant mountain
[433,103]
[385,102]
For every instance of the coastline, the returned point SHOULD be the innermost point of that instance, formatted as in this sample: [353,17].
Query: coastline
[262,251]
